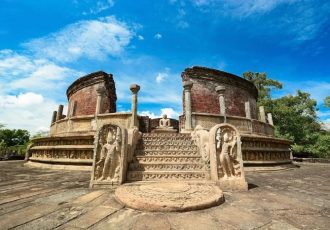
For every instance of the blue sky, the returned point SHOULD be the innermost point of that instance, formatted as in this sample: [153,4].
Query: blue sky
[46,45]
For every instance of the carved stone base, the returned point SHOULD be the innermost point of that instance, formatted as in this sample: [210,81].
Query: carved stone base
[238,184]
[169,196]
[164,130]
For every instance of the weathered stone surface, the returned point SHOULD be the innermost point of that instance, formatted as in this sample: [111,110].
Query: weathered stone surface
[169,196]
[292,199]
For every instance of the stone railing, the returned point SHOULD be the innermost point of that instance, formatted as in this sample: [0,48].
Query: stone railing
[89,124]
[244,125]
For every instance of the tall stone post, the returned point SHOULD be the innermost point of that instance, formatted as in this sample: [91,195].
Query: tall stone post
[270,118]
[134,89]
[100,93]
[247,110]
[221,91]
[187,85]
[72,111]
[59,112]
[262,114]
[53,117]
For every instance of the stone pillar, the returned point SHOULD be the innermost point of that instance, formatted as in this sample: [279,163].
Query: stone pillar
[73,106]
[53,117]
[187,85]
[262,114]
[59,112]
[247,110]
[100,93]
[221,91]
[270,118]
[134,89]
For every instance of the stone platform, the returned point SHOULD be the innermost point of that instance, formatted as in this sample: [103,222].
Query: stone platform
[169,196]
[33,198]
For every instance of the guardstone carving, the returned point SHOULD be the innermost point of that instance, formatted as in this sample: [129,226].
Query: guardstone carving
[110,157]
[226,157]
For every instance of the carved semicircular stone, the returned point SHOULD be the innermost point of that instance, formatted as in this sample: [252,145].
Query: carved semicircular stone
[169,196]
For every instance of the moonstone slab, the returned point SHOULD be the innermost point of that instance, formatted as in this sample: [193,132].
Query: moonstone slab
[169,196]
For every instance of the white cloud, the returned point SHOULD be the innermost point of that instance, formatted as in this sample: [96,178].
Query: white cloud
[170,112]
[29,111]
[94,39]
[24,72]
[326,124]
[140,37]
[161,77]
[317,89]
[147,113]
[158,36]
[21,100]
[242,8]
[100,6]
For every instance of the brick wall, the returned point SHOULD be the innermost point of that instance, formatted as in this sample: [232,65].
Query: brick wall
[205,99]
[83,93]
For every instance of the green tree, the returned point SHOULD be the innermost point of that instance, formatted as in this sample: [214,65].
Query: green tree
[264,86]
[327,102]
[13,137]
[295,118]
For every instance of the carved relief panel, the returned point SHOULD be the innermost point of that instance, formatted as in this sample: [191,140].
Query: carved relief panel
[110,156]
[226,157]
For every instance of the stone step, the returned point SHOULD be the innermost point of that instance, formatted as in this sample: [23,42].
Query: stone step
[157,147]
[165,136]
[166,167]
[168,158]
[172,175]
[141,152]
[166,142]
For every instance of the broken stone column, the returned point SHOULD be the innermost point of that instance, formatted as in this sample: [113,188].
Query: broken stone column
[221,91]
[100,91]
[73,107]
[262,114]
[59,114]
[187,85]
[134,89]
[53,117]
[270,118]
[247,110]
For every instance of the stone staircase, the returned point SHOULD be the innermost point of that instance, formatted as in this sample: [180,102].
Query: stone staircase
[166,156]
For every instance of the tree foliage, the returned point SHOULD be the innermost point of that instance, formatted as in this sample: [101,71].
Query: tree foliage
[263,84]
[294,116]
[327,102]
[13,137]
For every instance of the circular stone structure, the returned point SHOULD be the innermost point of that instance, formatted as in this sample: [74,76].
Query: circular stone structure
[169,196]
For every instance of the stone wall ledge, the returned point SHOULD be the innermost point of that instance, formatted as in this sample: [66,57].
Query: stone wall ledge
[62,160]
[56,138]
[252,137]
[266,162]
[312,160]
[265,149]
[69,147]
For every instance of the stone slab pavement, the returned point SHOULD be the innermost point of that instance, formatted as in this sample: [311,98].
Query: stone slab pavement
[32,198]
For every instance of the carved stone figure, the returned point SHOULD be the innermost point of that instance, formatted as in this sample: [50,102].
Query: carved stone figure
[226,161]
[164,122]
[108,164]
[226,149]
[201,138]
[164,126]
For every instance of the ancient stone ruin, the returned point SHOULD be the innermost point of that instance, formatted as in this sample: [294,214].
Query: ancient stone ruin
[220,133]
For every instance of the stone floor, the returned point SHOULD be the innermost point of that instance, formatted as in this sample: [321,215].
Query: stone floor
[49,199]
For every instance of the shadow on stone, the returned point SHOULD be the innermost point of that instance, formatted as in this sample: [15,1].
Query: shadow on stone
[252,186]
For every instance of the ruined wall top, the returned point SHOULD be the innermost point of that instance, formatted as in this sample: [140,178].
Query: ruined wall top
[83,93]
[220,77]
[91,79]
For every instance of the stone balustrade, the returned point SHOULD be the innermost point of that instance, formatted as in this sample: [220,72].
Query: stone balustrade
[244,125]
